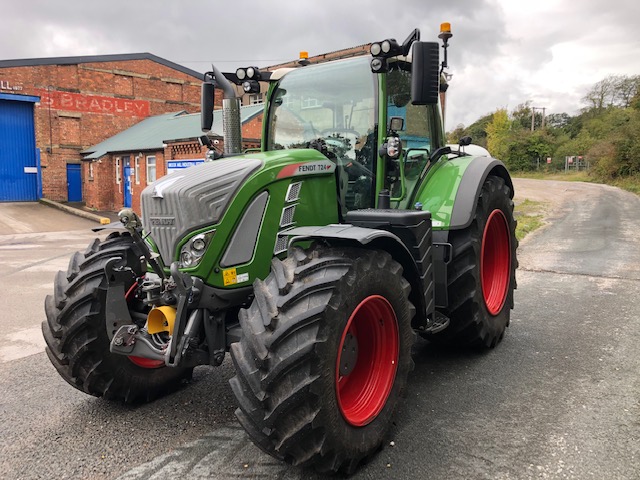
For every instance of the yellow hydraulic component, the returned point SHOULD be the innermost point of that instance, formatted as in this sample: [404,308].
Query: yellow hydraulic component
[161,319]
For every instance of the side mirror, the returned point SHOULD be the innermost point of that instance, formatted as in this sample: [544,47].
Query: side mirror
[425,73]
[464,141]
[396,124]
[206,106]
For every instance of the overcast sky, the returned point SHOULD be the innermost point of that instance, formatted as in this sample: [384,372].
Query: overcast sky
[503,52]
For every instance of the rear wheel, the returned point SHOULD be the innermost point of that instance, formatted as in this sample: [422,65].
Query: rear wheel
[76,334]
[325,354]
[481,275]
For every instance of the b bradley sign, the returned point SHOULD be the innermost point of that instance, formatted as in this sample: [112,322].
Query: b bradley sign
[79,102]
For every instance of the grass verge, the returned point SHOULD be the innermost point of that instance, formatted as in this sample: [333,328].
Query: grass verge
[530,216]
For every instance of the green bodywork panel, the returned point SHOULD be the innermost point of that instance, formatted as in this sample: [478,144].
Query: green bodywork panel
[438,191]
[316,205]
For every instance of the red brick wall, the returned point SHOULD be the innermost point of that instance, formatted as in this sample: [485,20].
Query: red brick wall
[84,104]
[253,128]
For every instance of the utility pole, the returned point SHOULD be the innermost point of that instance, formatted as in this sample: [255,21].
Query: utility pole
[533,116]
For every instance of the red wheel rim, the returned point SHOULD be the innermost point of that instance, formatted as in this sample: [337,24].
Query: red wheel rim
[495,261]
[146,362]
[362,388]
[141,361]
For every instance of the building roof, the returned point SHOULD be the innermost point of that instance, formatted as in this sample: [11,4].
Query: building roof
[153,132]
[30,62]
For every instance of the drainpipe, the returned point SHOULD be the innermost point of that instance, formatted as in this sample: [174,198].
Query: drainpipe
[231,126]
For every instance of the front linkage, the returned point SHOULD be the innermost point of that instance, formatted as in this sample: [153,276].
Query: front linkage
[179,307]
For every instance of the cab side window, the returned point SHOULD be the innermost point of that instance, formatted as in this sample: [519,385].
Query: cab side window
[416,133]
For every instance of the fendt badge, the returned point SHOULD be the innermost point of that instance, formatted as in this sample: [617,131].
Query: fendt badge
[160,221]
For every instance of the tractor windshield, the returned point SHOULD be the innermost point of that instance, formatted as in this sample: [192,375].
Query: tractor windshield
[331,107]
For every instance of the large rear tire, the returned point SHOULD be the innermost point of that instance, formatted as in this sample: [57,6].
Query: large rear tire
[324,357]
[482,273]
[76,334]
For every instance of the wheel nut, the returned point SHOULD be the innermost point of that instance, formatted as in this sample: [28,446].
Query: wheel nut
[118,341]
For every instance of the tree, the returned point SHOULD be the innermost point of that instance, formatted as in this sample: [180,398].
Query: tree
[613,91]
[602,94]
[558,120]
[497,134]
[455,135]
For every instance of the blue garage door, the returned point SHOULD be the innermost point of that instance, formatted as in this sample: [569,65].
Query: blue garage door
[19,167]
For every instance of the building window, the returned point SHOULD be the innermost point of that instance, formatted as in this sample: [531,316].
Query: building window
[151,169]
[289,102]
[118,171]
[255,98]
[137,170]
[309,102]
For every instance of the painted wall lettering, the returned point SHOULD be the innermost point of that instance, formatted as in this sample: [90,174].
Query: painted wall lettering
[79,102]
[5,85]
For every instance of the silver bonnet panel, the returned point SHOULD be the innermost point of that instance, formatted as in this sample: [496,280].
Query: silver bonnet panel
[190,199]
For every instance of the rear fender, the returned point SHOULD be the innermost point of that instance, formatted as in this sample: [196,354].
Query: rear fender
[451,192]
[451,195]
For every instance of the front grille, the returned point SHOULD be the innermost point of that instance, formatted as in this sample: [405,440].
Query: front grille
[193,198]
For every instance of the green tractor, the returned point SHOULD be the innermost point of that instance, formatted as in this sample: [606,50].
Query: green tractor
[314,261]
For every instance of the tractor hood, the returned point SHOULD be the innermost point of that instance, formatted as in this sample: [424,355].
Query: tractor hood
[194,198]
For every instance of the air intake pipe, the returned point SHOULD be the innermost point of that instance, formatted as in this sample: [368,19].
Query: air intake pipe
[231,125]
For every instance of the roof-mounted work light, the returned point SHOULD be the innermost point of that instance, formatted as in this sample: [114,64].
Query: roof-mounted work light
[381,51]
[251,86]
[248,73]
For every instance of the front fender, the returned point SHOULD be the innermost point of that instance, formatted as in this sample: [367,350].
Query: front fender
[451,192]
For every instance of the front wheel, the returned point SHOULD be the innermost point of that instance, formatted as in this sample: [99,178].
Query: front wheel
[325,354]
[76,331]
[481,276]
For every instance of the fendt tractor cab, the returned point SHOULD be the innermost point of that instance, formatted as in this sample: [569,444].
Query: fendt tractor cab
[314,261]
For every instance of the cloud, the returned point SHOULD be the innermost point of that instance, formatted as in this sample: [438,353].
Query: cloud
[502,53]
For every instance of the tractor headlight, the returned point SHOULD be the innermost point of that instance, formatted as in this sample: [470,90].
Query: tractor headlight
[379,65]
[251,86]
[193,251]
[241,73]
[198,244]
[186,259]
[375,49]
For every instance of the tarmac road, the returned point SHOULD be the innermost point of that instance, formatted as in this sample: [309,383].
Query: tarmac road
[558,398]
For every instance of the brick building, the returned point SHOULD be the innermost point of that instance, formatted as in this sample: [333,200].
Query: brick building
[51,109]
[116,170]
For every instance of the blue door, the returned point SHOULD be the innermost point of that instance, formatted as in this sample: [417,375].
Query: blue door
[74,182]
[18,161]
[126,162]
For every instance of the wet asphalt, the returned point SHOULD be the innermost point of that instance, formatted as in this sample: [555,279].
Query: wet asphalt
[558,398]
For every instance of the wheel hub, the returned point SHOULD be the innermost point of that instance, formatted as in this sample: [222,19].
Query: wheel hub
[348,355]
[367,360]
[495,261]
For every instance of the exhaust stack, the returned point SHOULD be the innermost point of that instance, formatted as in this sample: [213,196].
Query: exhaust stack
[231,125]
